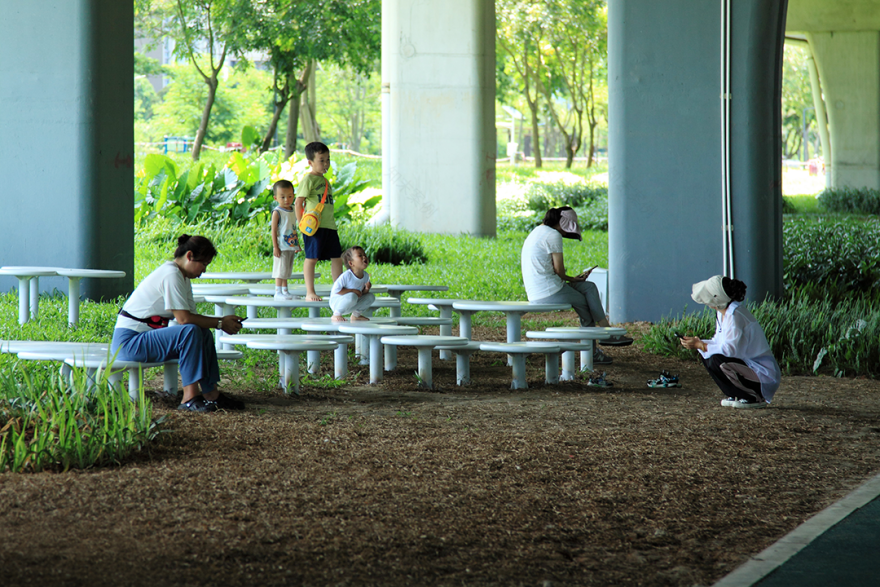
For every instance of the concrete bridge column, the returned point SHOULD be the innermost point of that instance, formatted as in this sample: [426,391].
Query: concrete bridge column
[67,150]
[666,152]
[439,73]
[849,67]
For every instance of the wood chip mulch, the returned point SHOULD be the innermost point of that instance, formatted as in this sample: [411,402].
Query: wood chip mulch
[394,485]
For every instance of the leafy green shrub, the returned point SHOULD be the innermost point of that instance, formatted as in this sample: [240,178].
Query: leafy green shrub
[524,222]
[594,214]
[805,335]
[384,244]
[851,200]
[543,196]
[523,214]
[49,423]
[831,258]
[236,193]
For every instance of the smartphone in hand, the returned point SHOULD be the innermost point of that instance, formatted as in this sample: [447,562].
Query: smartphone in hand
[678,334]
[588,271]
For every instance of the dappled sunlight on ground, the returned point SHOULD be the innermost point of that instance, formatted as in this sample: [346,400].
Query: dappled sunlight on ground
[363,196]
[600,178]
[798,182]
[508,189]
[565,177]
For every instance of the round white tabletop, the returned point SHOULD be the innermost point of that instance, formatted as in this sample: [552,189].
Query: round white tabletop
[252,276]
[308,344]
[17,271]
[513,310]
[219,289]
[565,334]
[396,289]
[376,329]
[271,302]
[609,331]
[439,302]
[244,338]
[515,348]
[17,346]
[273,323]
[485,306]
[329,325]
[322,289]
[424,340]
[91,273]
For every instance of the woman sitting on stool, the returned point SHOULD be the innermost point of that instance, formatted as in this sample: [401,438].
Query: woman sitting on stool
[546,282]
[142,332]
[738,357]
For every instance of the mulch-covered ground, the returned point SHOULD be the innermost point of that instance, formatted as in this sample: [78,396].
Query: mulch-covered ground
[390,485]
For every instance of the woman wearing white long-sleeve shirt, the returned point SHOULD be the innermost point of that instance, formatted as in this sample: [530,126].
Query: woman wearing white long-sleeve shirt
[738,357]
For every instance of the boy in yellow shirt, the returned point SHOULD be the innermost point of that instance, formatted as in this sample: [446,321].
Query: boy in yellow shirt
[324,244]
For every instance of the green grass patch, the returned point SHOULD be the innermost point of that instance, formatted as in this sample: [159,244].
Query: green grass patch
[807,204]
[51,423]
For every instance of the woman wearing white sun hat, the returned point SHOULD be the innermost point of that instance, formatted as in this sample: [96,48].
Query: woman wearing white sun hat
[545,280]
[738,357]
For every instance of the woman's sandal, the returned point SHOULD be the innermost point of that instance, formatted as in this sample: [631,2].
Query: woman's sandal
[599,381]
[665,380]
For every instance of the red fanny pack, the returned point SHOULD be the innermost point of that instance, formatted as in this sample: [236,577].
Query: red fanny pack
[152,321]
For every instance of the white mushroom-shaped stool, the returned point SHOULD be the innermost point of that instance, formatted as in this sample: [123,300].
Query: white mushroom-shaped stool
[425,346]
[374,333]
[590,334]
[517,352]
[569,343]
[291,350]
[462,359]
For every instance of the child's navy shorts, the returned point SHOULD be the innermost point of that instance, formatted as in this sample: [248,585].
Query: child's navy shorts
[323,246]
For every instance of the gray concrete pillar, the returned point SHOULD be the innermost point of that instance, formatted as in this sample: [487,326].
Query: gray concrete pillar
[849,68]
[67,154]
[665,151]
[439,69]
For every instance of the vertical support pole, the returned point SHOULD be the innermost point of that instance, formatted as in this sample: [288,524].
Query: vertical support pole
[73,300]
[426,373]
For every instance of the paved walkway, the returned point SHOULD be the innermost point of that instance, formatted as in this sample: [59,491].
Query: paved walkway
[838,546]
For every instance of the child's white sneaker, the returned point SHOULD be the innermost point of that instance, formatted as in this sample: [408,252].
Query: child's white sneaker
[283,296]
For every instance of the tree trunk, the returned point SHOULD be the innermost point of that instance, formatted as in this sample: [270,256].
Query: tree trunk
[592,149]
[536,138]
[206,117]
[292,120]
[273,125]
[308,110]
[297,87]
[309,127]
[569,153]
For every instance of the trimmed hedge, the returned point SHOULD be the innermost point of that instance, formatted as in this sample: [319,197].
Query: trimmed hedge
[831,258]
[851,200]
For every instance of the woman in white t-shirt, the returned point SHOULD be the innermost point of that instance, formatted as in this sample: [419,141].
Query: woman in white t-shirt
[738,357]
[143,334]
[545,279]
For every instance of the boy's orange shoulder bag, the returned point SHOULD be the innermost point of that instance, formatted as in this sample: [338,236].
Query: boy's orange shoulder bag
[311,221]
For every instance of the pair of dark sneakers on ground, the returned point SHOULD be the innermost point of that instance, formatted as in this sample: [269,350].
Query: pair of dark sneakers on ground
[200,404]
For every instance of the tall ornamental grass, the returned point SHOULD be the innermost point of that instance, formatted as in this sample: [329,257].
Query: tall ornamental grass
[52,423]
[806,336]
